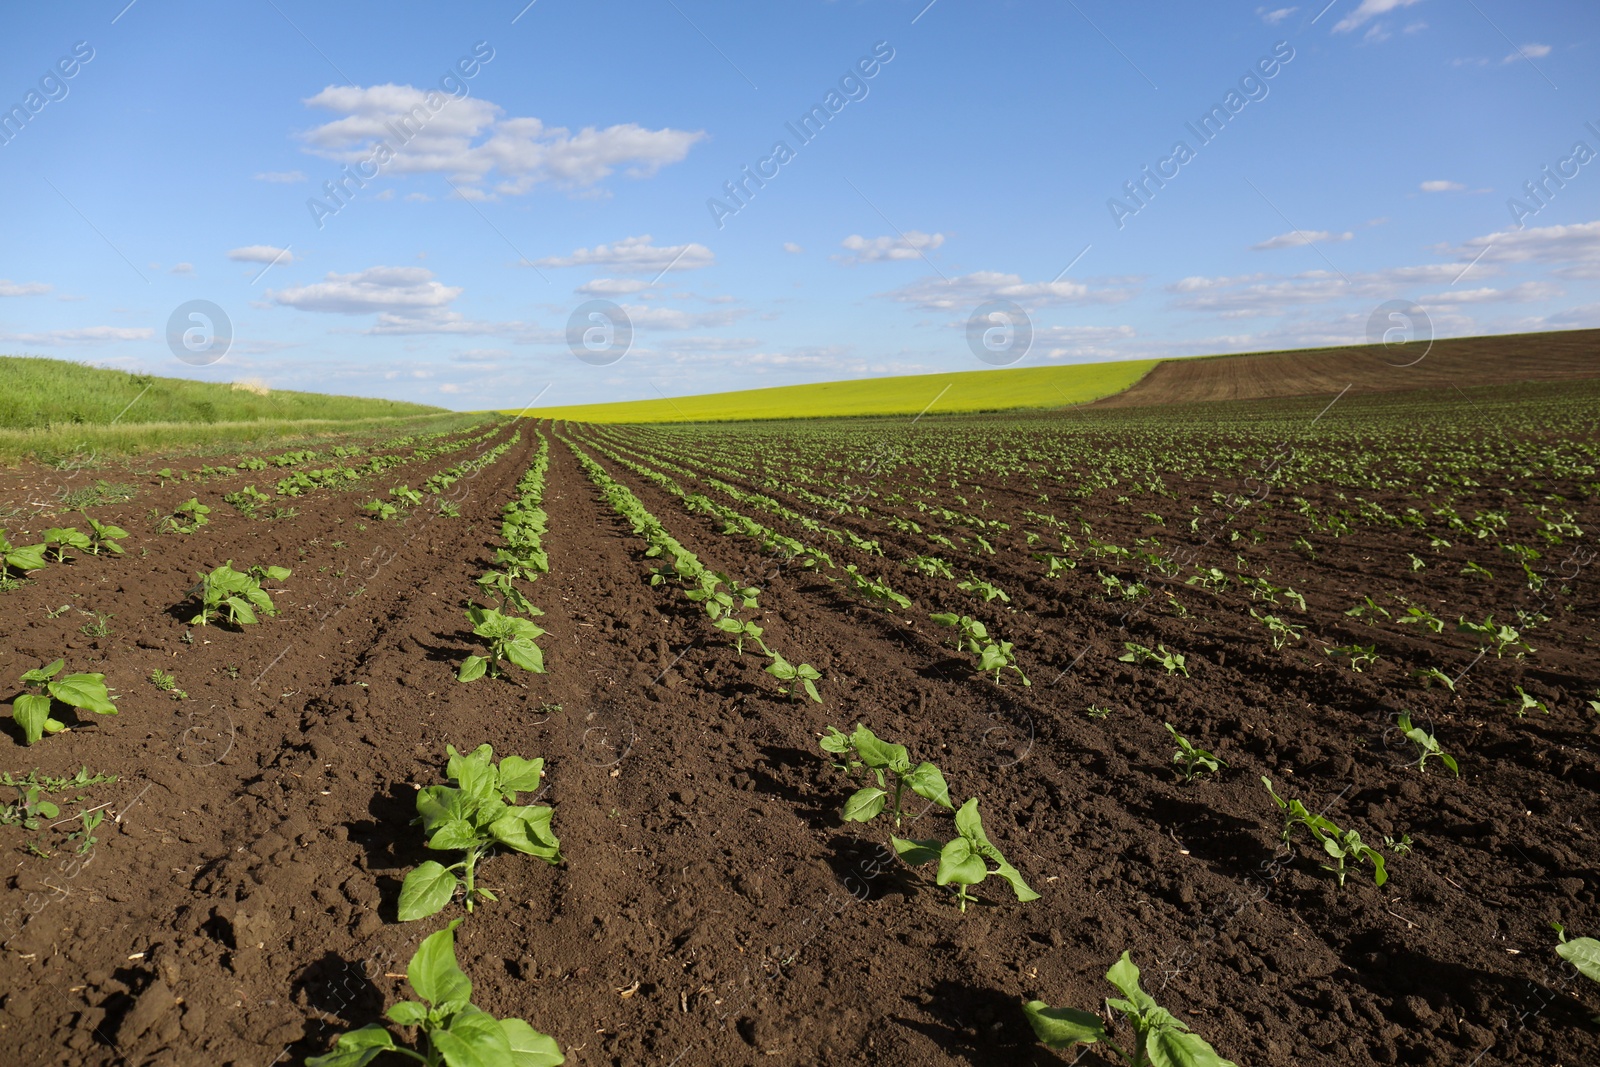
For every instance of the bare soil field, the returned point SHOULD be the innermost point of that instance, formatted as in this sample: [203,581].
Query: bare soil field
[712,907]
[1459,363]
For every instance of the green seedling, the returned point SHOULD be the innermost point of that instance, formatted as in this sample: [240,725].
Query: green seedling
[167,684]
[1582,952]
[1424,617]
[381,509]
[1094,711]
[930,566]
[1171,662]
[510,639]
[741,629]
[1359,655]
[1398,845]
[875,589]
[85,837]
[804,673]
[1339,844]
[19,558]
[1473,570]
[863,748]
[501,585]
[965,861]
[971,635]
[1434,676]
[1193,759]
[473,816]
[453,1031]
[42,690]
[186,518]
[29,811]
[1368,606]
[1499,638]
[407,496]
[101,627]
[1159,1038]
[61,538]
[103,537]
[234,596]
[978,587]
[1282,632]
[1527,703]
[1115,586]
[998,656]
[1427,745]
[1417,562]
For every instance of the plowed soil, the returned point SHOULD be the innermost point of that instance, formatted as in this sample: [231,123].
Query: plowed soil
[712,909]
[1460,363]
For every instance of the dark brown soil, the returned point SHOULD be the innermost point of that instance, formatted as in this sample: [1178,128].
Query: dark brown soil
[712,908]
[1462,363]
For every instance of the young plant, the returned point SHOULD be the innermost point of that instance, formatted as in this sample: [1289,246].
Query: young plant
[1427,745]
[167,684]
[32,709]
[884,760]
[1282,632]
[1341,845]
[978,587]
[453,1030]
[381,509]
[1582,952]
[1368,606]
[235,596]
[500,584]
[965,861]
[1193,759]
[1424,617]
[1434,676]
[509,638]
[998,656]
[19,558]
[1171,662]
[1358,655]
[186,518]
[1527,704]
[103,537]
[479,812]
[971,635]
[61,538]
[804,673]
[85,836]
[1159,1038]
[29,811]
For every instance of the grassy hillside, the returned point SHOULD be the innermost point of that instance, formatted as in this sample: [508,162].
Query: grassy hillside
[40,393]
[983,390]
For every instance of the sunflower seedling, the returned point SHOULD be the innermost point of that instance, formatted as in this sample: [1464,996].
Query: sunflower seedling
[1427,745]
[804,673]
[32,709]
[186,518]
[1171,662]
[233,595]
[103,537]
[1339,844]
[479,812]
[29,811]
[510,639]
[62,538]
[1582,952]
[454,1031]
[965,861]
[1193,759]
[1527,704]
[19,558]
[1159,1038]
[863,748]
[1359,655]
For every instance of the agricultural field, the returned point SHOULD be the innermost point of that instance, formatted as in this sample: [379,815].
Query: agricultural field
[892,740]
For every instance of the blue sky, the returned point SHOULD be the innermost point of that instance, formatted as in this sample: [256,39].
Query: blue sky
[973,151]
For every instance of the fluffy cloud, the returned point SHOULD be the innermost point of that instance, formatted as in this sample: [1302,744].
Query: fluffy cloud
[1441,187]
[1299,239]
[967,291]
[10,288]
[1526,292]
[1369,9]
[889,249]
[472,141]
[1274,16]
[635,255]
[1251,296]
[612,287]
[281,177]
[260,254]
[403,291]
[182,268]
[1575,249]
[662,318]
[792,248]
[1528,51]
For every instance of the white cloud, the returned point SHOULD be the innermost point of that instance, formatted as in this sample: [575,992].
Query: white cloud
[261,254]
[1369,9]
[1575,249]
[404,291]
[636,255]
[470,140]
[612,287]
[1274,16]
[792,248]
[183,268]
[418,198]
[1300,238]
[10,288]
[1253,296]
[481,355]
[967,291]
[281,177]
[1377,33]
[1441,186]
[1415,27]
[82,335]
[888,249]
[1526,292]
[662,318]
[1528,51]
